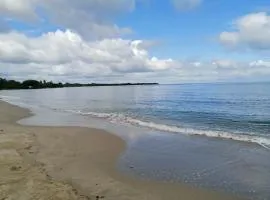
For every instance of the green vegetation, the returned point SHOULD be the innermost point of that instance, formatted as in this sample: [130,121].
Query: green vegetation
[34,84]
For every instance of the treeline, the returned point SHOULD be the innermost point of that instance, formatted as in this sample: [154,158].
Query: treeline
[34,84]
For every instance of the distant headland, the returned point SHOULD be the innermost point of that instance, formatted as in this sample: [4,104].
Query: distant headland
[34,84]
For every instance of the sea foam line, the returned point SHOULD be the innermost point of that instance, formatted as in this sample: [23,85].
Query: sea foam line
[120,118]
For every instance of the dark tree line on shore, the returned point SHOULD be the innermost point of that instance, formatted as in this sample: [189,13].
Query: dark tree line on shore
[34,84]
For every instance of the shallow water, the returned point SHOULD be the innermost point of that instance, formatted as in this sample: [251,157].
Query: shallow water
[161,125]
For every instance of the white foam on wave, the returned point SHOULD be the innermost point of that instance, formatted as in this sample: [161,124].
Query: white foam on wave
[120,118]
[6,98]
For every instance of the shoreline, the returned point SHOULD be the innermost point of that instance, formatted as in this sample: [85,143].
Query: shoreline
[75,163]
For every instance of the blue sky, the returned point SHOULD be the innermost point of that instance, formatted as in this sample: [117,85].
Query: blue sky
[136,40]
[191,33]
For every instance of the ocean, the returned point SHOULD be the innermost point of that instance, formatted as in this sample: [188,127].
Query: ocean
[207,135]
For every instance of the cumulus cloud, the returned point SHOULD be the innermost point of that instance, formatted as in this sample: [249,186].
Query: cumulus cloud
[260,63]
[210,71]
[91,18]
[88,46]
[66,56]
[186,4]
[251,32]
[23,9]
[65,53]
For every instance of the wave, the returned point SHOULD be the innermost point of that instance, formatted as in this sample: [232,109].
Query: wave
[121,118]
[5,97]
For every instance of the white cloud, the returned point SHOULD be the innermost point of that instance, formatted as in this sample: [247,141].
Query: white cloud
[91,18]
[23,9]
[260,63]
[91,49]
[66,56]
[186,4]
[67,53]
[252,32]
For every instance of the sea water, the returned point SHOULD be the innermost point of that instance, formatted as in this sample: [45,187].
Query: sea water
[208,135]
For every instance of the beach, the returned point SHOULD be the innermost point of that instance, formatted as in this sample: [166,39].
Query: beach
[72,163]
[134,100]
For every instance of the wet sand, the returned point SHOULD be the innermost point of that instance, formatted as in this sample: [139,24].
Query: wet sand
[72,163]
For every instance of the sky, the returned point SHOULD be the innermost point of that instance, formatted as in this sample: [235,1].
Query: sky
[165,41]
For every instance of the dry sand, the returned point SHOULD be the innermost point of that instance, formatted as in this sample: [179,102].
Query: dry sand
[72,163]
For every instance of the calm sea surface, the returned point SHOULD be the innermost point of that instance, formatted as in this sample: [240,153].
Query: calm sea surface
[208,135]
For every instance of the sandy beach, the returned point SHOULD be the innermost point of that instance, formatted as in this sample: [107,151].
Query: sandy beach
[72,163]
